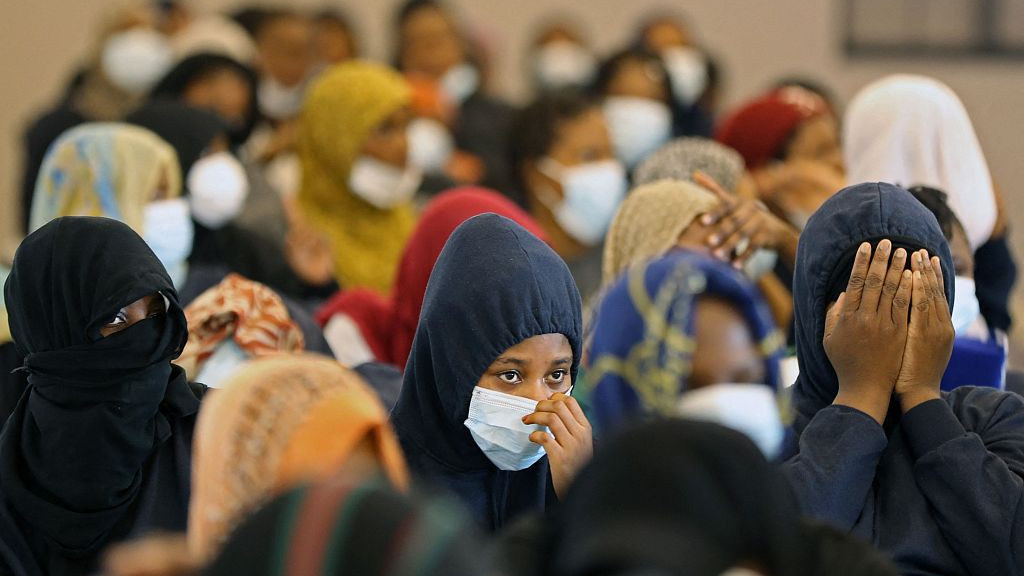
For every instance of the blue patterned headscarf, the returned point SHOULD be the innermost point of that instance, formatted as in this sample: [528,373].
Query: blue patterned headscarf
[640,358]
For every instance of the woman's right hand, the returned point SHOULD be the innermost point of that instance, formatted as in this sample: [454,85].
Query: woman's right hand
[866,330]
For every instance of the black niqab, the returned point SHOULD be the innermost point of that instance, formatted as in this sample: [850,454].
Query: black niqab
[72,453]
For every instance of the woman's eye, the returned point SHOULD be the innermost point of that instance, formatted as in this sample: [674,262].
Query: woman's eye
[558,376]
[510,377]
[119,318]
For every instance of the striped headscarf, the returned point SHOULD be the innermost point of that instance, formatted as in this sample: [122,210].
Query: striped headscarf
[644,339]
[340,527]
[283,421]
[104,169]
[239,309]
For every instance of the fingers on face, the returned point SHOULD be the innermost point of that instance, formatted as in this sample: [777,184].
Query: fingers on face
[876,277]
[893,278]
[855,286]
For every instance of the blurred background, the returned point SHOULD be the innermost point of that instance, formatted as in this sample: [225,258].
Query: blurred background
[975,46]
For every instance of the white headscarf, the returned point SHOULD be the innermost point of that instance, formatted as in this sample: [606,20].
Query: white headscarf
[913,130]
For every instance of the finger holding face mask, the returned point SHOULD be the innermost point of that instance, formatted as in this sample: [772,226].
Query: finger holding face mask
[569,444]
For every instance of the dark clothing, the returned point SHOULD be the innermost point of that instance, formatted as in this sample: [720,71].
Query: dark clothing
[12,384]
[82,457]
[640,508]
[940,488]
[995,273]
[385,379]
[483,128]
[939,491]
[494,286]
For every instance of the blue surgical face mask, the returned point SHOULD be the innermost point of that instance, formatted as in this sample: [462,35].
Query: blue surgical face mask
[168,230]
[748,408]
[965,305]
[495,422]
[591,193]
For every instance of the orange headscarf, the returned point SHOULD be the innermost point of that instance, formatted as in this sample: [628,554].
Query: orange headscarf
[246,311]
[284,420]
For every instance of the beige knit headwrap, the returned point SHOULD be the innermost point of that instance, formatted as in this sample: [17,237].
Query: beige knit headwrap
[650,221]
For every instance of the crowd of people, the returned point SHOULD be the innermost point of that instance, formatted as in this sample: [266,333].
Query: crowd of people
[281,309]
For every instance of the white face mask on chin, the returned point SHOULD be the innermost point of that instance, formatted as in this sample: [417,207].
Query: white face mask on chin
[218,187]
[638,126]
[136,59]
[430,145]
[591,193]
[383,185]
[563,64]
[280,102]
[748,408]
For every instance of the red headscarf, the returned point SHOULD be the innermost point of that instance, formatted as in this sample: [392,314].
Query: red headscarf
[759,129]
[389,324]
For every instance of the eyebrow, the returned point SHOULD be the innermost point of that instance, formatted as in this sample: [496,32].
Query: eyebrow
[562,361]
[512,361]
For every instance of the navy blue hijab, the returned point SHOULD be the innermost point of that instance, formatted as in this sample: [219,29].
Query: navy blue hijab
[644,335]
[867,212]
[494,286]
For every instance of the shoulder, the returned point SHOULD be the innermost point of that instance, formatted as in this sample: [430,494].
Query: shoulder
[978,408]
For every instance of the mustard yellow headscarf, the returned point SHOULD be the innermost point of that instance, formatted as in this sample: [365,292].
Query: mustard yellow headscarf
[104,169]
[341,111]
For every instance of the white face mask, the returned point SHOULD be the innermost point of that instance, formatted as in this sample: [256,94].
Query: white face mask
[563,64]
[167,229]
[688,72]
[383,185]
[760,263]
[748,408]
[278,101]
[965,305]
[495,421]
[218,188]
[591,193]
[638,126]
[136,59]
[226,360]
[460,82]
[430,145]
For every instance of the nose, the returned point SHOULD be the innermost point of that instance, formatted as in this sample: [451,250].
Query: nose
[536,390]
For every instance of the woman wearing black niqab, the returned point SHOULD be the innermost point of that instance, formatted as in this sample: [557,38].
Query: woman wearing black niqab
[99,445]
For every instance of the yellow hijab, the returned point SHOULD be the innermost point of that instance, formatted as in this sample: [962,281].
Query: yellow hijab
[341,111]
[104,169]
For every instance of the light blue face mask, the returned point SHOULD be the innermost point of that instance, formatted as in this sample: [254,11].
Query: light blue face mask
[168,230]
[495,421]
[966,308]
[225,362]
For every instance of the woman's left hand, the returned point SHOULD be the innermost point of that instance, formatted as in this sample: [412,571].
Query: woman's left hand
[930,337]
[744,224]
[570,444]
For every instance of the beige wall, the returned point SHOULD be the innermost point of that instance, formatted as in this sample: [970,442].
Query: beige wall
[756,42]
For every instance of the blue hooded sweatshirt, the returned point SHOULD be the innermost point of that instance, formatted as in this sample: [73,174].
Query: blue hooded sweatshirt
[493,286]
[940,488]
